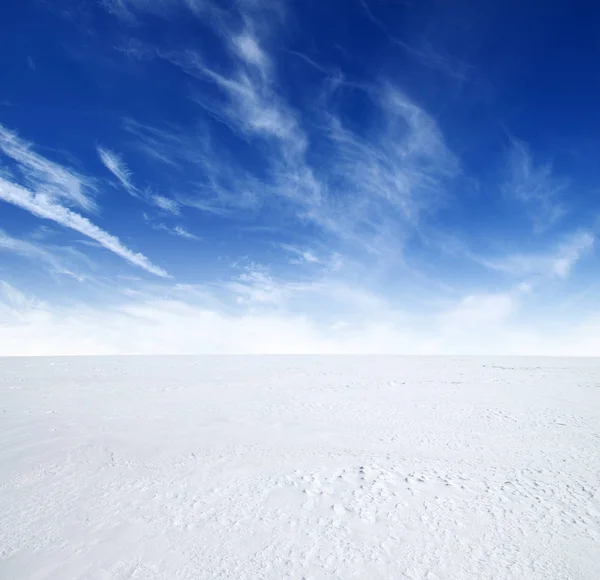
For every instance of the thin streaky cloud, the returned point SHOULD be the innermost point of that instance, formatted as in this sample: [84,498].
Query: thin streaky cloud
[329,72]
[387,166]
[212,185]
[397,170]
[126,9]
[558,263]
[399,167]
[48,186]
[45,176]
[13,302]
[34,251]
[42,206]
[301,255]
[169,145]
[253,107]
[115,164]
[165,204]
[178,230]
[536,186]
[183,233]
[427,56]
[247,47]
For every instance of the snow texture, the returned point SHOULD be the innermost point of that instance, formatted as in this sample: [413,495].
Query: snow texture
[299,467]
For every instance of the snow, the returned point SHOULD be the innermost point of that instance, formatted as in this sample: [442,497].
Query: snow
[299,467]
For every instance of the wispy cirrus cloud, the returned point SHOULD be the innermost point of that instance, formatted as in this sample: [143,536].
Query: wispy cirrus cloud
[114,163]
[301,255]
[127,9]
[557,263]
[368,189]
[183,233]
[252,106]
[425,53]
[400,168]
[177,230]
[14,303]
[47,185]
[48,178]
[535,185]
[165,203]
[214,182]
[36,252]
[43,207]
[169,145]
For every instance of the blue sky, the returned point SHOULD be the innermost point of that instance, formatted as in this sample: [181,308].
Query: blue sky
[194,176]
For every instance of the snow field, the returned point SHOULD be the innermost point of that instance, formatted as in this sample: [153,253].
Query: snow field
[299,467]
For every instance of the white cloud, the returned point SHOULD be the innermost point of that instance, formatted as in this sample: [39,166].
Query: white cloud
[301,255]
[182,321]
[570,252]
[14,303]
[535,185]
[557,263]
[478,312]
[127,9]
[42,206]
[165,203]
[183,233]
[425,53]
[114,163]
[48,186]
[371,189]
[167,145]
[253,107]
[117,7]
[248,48]
[257,287]
[33,251]
[398,171]
[48,178]
[178,230]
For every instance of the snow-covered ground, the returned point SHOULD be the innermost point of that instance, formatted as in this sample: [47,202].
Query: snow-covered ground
[299,467]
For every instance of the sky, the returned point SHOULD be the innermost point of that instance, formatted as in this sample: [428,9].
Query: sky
[299,176]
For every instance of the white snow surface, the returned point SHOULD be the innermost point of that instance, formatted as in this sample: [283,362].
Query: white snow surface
[299,467]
